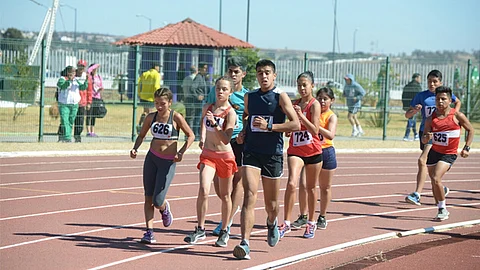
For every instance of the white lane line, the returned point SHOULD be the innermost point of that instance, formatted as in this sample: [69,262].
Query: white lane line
[196,183]
[314,253]
[296,258]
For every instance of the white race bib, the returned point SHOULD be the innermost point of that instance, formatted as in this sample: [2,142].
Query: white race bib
[161,130]
[208,124]
[302,137]
[429,110]
[267,118]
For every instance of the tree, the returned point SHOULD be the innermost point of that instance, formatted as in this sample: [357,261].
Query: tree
[251,56]
[22,81]
[13,33]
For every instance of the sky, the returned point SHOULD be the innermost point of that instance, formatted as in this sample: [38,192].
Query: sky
[371,26]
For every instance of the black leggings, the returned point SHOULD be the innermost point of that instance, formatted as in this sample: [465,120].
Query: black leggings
[157,177]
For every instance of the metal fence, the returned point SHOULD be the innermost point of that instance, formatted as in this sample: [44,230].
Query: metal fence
[28,117]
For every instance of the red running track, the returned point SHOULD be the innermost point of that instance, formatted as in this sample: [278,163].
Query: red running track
[86,212]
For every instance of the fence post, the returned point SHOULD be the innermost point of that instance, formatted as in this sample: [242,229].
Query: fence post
[135,92]
[386,97]
[469,79]
[305,62]
[42,93]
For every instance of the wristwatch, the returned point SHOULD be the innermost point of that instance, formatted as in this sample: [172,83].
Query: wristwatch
[214,125]
[269,126]
[466,148]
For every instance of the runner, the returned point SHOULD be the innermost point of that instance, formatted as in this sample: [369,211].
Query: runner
[304,150]
[217,158]
[443,129]
[266,109]
[425,102]
[160,162]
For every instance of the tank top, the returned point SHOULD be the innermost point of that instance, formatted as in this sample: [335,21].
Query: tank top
[164,131]
[266,105]
[324,120]
[219,118]
[302,143]
[446,133]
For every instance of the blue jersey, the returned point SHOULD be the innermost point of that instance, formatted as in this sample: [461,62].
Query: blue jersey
[266,105]
[427,100]
[237,100]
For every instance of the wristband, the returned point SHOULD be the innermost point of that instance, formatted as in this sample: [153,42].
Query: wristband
[214,125]
[466,148]
[269,126]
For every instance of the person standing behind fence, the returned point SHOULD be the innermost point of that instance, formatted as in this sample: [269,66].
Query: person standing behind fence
[85,101]
[443,129]
[68,98]
[424,102]
[194,97]
[96,86]
[409,92]
[160,163]
[353,92]
[148,83]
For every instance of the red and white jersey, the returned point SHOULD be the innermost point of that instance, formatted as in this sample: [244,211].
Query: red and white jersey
[446,133]
[303,143]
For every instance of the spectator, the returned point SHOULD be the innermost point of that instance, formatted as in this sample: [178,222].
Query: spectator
[96,87]
[194,96]
[354,93]
[409,92]
[148,83]
[68,98]
[180,76]
[85,101]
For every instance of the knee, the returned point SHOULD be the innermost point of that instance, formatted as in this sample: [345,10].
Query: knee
[203,193]
[291,186]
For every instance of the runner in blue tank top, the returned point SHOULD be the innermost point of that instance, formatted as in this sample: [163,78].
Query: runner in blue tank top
[424,102]
[266,109]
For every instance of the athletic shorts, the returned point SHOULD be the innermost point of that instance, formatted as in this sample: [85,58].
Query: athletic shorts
[270,166]
[329,158]
[237,151]
[310,160]
[223,162]
[353,110]
[146,104]
[422,145]
[434,157]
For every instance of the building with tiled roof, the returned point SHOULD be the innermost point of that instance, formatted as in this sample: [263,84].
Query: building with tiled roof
[186,33]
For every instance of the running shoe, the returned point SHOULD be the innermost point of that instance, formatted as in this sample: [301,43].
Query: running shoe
[446,190]
[442,214]
[273,236]
[222,240]
[413,198]
[322,223]
[242,251]
[167,216]
[217,229]
[198,234]
[284,229]
[416,138]
[148,237]
[406,139]
[300,222]
[310,230]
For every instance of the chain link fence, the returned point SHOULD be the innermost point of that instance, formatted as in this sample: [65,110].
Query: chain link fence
[27,92]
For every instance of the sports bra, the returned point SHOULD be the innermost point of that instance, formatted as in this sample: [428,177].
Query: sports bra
[164,131]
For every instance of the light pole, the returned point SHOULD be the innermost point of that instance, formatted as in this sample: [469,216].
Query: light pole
[354,37]
[149,20]
[75,25]
[248,17]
